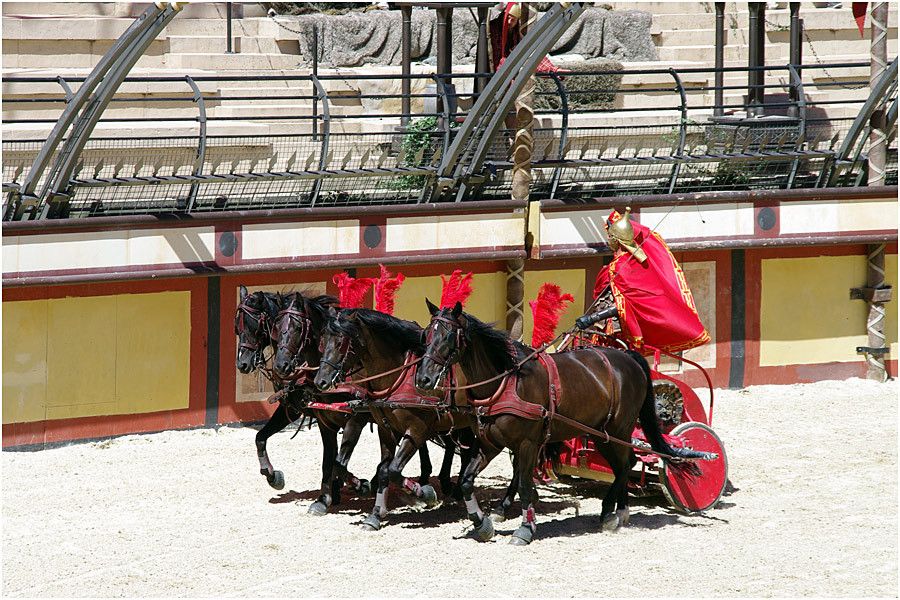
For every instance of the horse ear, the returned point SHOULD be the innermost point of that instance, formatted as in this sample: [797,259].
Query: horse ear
[244,293]
[457,310]
[332,312]
[431,307]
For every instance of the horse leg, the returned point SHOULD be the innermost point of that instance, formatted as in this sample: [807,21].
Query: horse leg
[484,527]
[425,461]
[278,421]
[525,460]
[374,521]
[405,452]
[447,465]
[352,431]
[614,512]
[499,511]
[329,452]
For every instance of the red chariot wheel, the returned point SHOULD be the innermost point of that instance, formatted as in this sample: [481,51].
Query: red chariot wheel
[696,485]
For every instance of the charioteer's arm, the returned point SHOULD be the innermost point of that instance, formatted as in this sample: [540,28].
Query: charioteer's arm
[585,321]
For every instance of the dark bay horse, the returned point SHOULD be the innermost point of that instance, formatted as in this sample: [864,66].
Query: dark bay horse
[603,388]
[378,343]
[298,327]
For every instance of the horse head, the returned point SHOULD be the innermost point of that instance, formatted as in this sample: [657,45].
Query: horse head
[296,331]
[444,338]
[252,320]
[340,331]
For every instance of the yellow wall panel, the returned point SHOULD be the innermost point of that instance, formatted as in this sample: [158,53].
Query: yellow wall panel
[487,302]
[24,361]
[806,314]
[890,323]
[153,346]
[81,357]
[570,280]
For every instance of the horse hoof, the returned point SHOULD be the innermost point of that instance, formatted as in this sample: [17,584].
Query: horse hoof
[364,488]
[372,523]
[429,495]
[624,516]
[610,522]
[522,536]
[276,480]
[317,508]
[485,531]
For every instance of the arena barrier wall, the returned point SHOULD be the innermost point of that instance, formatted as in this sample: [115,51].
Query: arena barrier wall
[124,325]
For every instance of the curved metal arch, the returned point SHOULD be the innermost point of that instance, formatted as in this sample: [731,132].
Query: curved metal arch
[201,146]
[321,94]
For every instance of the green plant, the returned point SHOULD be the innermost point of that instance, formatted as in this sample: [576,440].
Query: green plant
[419,137]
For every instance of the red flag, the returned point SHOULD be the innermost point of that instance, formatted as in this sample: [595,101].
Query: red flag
[859,14]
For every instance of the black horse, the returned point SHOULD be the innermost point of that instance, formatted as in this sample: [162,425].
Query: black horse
[376,343]
[603,388]
[298,326]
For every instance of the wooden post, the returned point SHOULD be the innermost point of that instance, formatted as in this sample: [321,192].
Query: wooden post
[522,150]
[877,155]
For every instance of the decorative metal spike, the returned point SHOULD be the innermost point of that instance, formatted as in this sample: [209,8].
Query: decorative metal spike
[328,158]
[234,165]
[347,159]
[763,142]
[118,168]
[801,139]
[312,158]
[834,141]
[291,161]
[566,148]
[139,164]
[273,161]
[98,167]
[418,159]
[364,159]
[436,157]
[781,141]
[746,144]
[602,148]
[158,165]
[18,172]
[585,148]
[384,154]
[79,167]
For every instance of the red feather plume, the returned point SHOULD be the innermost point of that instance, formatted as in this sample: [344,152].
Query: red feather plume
[385,288]
[547,309]
[351,291]
[456,288]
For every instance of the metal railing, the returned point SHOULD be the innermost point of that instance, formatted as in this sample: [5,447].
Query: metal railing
[195,144]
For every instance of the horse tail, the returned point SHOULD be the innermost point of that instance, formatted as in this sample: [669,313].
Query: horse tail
[650,422]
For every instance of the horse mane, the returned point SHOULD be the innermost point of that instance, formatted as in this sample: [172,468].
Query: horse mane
[321,303]
[397,332]
[501,349]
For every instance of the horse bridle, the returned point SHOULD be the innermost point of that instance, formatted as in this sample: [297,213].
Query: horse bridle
[261,317]
[456,329]
[285,320]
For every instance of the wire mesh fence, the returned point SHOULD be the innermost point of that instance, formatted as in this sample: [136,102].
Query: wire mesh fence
[266,142]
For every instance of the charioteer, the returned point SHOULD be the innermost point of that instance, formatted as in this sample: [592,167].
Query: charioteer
[643,291]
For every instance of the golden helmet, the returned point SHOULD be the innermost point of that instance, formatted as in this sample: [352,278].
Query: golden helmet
[620,233]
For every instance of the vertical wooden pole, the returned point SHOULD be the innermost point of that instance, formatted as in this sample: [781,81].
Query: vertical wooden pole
[522,150]
[877,155]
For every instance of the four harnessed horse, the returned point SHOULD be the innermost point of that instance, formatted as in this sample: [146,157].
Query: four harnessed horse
[518,399]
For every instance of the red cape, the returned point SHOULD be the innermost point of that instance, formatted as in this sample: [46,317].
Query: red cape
[653,299]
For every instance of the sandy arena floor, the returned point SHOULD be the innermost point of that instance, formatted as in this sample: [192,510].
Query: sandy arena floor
[813,511]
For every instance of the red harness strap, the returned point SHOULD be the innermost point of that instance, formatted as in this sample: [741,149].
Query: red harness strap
[506,399]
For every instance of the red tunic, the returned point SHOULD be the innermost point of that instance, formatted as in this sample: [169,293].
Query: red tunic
[653,299]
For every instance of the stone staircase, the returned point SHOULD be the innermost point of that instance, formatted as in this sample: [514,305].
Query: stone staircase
[69,38]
